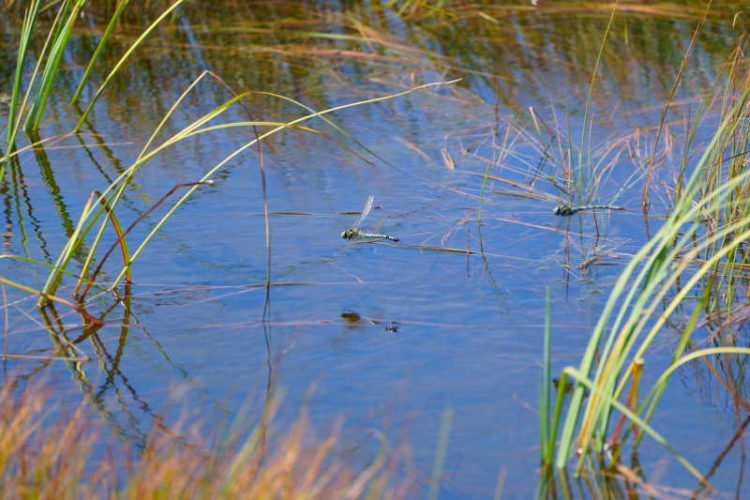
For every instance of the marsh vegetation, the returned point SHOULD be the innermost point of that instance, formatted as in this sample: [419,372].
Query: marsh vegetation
[561,314]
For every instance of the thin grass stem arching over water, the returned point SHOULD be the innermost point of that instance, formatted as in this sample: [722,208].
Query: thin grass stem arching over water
[107,201]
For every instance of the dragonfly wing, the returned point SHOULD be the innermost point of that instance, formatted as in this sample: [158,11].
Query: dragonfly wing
[365,211]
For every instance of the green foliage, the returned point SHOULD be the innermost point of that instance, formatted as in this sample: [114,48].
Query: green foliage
[647,294]
[30,95]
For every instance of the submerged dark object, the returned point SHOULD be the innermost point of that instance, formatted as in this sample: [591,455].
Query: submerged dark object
[351,316]
[567,210]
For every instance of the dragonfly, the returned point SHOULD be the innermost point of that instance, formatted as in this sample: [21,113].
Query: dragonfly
[354,233]
[568,210]
[563,208]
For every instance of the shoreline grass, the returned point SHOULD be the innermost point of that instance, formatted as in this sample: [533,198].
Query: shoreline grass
[73,456]
[692,263]
[698,251]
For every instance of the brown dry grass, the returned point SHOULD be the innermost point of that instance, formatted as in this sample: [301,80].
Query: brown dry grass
[62,457]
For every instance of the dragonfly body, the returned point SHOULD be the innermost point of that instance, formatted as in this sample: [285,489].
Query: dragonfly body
[354,233]
[567,210]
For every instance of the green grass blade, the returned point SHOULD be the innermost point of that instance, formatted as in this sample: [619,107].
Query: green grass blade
[59,44]
[207,177]
[14,112]
[638,421]
[99,48]
[123,60]
[651,258]
[547,446]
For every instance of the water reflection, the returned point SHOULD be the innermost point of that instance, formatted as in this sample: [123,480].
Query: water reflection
[473,171]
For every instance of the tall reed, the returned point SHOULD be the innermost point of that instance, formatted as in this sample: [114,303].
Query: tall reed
[31,93]
[659,279]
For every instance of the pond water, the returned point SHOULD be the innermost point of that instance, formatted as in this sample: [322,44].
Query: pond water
[385,335]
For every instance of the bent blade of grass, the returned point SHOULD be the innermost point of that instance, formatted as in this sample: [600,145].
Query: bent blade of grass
[116,188]
[32,260]
[697,275]
[686,287]
[122,180]
[33,145]
[39,293]
[709,351]
[226,126]
[330,122]
[582,379]
[171,111]
[60,266]
[121,242]
[669,309]
[228,158]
